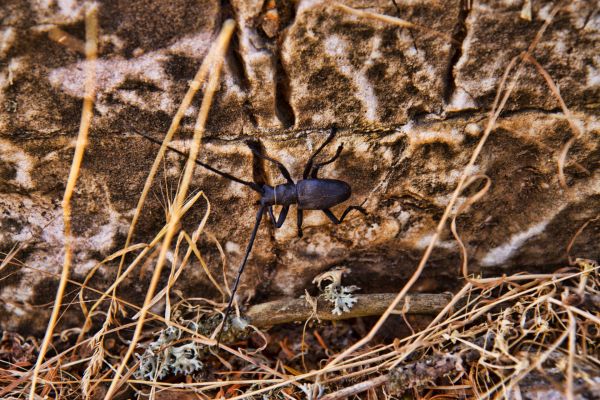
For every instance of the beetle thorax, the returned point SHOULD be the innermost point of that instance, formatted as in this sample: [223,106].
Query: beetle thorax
[284,195]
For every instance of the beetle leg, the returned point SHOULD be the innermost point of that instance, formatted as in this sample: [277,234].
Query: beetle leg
[309,163]
[281,167]
[317,167]
[299,215]
[281,218]
[336,221]
[259,215]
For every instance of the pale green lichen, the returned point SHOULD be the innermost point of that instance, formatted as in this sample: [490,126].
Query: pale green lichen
[312,391]
[340,296]
[167,356]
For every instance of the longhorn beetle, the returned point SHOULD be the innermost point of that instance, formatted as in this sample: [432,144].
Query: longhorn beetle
[309,193]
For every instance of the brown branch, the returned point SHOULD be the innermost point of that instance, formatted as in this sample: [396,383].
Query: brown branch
[285,311]
[358,388]
[412,375]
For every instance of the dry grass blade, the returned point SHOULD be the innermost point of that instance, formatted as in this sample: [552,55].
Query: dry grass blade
[195,85]
[470,201]
[91,48]
[7,260]
[69,41]
[577,133]
[519,331]
[576,235]
[89,276]
[394,21]
[97,359]
[147,249]
[357,388]
[223,42]
[494,114]
[489,340]
[191,249]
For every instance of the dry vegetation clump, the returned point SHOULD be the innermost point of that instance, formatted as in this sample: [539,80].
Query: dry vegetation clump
[519,336]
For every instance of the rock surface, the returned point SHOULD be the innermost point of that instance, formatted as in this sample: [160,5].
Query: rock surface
[411,105]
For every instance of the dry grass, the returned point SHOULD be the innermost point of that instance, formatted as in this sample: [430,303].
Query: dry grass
[495,338]
[91,48]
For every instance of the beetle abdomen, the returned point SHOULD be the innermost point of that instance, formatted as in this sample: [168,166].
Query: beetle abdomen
[319,194]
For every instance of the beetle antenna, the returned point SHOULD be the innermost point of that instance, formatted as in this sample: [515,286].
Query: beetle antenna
[251,185]
[259,215]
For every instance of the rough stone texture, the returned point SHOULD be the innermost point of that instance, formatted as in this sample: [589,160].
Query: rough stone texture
[410,105]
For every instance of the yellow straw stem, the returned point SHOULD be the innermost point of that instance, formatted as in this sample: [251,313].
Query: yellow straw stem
[222,44]
[91,52]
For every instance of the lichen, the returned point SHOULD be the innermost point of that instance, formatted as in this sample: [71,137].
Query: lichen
[340,296]
[162,357]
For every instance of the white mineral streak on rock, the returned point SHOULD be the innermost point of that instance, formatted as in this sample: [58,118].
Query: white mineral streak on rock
[42,220]
[59,11]
[103,239]
[15,64]
[375,53]
[7,38]
[288,230]
[14,296]
[192,46]
[314,218]
[323,116]
[593,75]
[501,254]
[461,100]
[419,135]
[593,125]
[231,247]
[473,129]
[544,13]
[337,47]
[232,88]
[149,67]
[111,73]
[466,43]
[20,161]
[424,241]
[113,39]
[403,217]
[236,190]
[378,234]
[488,83]
[307,4]
[453,175]
[70,7]
[319,245]
[294,164]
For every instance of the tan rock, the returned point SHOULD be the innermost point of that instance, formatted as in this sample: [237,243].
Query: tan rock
[411,105]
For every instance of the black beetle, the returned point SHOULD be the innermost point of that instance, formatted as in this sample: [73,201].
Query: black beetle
[309,193]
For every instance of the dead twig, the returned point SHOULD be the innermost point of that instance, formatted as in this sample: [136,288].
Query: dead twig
[285,311]
[358,388]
